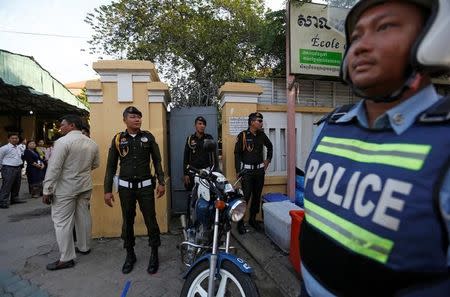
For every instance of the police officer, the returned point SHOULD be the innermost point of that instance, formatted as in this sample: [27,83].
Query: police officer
[249,159]
[377,184]
[135,149]
[195,154]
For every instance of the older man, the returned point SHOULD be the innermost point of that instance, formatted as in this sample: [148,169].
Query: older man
[68,187]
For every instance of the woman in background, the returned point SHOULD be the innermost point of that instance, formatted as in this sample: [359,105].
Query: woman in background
[35,169]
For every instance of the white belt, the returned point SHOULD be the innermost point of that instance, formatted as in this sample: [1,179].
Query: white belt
[141,184]
[248,166]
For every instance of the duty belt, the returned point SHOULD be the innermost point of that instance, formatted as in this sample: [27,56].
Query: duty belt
[135,185]
[250,166]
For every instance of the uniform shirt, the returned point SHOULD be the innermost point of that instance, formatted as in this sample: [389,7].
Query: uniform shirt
[11,155]
[399,119]
[196,156]
[69,168]
[135,165]
[249,148]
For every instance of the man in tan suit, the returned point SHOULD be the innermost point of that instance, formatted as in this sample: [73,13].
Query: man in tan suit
[68,187]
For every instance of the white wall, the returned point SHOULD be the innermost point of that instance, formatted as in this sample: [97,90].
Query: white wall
[275,124]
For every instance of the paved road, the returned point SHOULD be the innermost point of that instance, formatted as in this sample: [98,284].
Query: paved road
[28,244]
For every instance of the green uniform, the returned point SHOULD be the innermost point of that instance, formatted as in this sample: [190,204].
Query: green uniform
[248,154]
[196,156]
[135,154]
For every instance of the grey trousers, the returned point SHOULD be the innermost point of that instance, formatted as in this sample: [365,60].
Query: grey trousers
[12,177]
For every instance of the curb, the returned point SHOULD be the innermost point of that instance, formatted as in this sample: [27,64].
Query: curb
[274,262]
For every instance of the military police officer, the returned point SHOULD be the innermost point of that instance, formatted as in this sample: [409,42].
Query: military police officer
[249,158]
[194,153]
[135,149]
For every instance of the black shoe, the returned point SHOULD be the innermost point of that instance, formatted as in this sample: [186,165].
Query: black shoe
[77,250]
[255,225]
[129,262]
[4,206]
[241,227]
[18,201]
[153,264]
[57,265]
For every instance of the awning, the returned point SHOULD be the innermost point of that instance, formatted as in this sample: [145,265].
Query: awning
[25,86]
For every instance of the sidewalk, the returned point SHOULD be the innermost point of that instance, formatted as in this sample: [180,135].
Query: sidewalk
[28,244]
[274,261]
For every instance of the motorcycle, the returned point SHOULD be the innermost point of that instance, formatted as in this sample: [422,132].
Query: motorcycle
[213,270]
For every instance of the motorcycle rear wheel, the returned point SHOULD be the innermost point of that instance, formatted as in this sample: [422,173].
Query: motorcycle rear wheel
[232,283]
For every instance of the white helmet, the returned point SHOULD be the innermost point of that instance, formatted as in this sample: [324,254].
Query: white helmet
[430,52]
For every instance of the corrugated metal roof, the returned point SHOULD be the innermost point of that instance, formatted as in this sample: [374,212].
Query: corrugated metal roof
[23,71]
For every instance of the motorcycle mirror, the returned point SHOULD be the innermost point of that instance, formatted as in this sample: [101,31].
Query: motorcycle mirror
[209,145]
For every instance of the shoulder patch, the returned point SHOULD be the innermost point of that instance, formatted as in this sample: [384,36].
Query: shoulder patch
[437,113]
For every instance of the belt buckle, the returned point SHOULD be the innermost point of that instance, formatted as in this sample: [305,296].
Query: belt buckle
[134,185]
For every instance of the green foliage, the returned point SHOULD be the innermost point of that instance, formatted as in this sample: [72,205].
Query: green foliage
[82,97]
[271,45]
[198,45]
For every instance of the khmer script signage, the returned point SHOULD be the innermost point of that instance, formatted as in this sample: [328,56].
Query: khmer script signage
[317,39]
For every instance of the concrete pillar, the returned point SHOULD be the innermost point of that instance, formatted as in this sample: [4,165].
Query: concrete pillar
[238,100]
[123,83]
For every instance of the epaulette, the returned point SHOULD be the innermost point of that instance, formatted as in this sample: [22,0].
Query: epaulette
[335,115]
[437,113]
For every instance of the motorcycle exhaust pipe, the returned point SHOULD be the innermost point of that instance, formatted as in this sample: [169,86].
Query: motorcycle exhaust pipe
[184,225]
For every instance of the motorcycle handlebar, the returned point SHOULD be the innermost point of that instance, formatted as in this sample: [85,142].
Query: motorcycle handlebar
[202,173]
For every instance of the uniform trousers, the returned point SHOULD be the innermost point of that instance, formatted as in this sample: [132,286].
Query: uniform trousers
[67,211]
[252,185]
[146,199]
[11,179]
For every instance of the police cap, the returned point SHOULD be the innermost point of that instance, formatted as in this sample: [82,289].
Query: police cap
[200,119]
[253,116]
[131,110]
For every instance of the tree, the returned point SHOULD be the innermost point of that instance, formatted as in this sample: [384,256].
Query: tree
[82,97]
[271,45]
[198,45]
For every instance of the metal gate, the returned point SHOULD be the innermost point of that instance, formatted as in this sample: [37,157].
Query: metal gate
[181,126]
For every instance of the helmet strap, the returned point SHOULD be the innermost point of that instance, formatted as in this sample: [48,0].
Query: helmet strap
[411,82]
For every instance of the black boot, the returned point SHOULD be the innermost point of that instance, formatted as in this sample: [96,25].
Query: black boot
[129,261]
[252,222]
[153,264]
[241,227]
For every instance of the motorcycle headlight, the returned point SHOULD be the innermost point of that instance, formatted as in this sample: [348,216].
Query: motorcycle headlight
[236,210]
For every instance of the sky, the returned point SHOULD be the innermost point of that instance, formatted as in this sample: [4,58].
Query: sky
[66,58]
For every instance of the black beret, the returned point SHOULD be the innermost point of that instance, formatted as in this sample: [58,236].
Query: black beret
[255,115]
[201,119]
[131,110]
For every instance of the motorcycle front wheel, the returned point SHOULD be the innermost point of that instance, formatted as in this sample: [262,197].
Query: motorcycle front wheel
[231,283]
